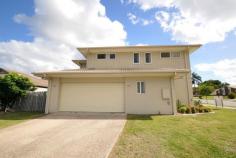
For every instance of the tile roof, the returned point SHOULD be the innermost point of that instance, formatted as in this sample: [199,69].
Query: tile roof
[38,82]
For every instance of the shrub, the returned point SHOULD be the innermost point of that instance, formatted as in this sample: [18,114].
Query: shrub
[207,109]
[193,109]
[179,105]
[182,109]
[197,102]
[12,87]
[188,110]
[200,109]
[200,97]
[231,95]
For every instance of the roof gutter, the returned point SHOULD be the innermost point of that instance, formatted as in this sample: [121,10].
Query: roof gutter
[110,73]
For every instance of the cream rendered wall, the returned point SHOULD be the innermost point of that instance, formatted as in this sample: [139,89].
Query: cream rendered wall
[53,95]
[124,60]
[93,80]
[151,102]
[183,84]
[181,88]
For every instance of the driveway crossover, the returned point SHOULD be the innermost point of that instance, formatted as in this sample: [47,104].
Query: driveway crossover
[61,135]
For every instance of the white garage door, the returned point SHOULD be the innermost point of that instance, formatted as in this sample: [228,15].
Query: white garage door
[92,97]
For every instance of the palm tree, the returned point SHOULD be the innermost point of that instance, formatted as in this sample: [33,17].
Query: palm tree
[196,80]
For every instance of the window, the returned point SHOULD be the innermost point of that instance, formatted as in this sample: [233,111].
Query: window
[175,54]
[165,54]
[140,87]
[136,58]
[101,56]
[112,56]
[148,58]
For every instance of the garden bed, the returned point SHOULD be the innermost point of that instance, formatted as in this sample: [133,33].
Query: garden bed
[192,114]
[196,108]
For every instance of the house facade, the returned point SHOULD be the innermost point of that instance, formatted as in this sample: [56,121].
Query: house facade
[129,79]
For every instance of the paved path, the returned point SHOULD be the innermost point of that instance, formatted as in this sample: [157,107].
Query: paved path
[62,135]
[227,102]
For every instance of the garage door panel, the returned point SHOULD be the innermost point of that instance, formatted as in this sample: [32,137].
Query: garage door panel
[92,97]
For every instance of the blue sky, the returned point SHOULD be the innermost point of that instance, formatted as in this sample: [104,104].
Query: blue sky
[43,29]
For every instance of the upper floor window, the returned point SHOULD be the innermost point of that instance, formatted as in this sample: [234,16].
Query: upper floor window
[112,56]
[148,58]
[101,56]
[165,54]
[175,54]
[140,87]
[136,58]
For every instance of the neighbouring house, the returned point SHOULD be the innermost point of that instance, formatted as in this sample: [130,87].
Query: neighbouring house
[129,79]
[225,90]
[40,84]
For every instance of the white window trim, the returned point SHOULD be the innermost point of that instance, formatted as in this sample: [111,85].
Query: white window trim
[139,82]
[176,57]
[101,53]
[110,54]
[139,57]
[145,57]
[165,52]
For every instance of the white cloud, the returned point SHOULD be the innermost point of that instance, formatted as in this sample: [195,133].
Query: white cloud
[149,4]
[147,22]
[225,69]
[137,20]
[141,44]
[192,21]
[133,18]
[163,18]
[39,55]
[74,22]
[58,27]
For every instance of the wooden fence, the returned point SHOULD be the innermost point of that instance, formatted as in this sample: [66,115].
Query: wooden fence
[32,102]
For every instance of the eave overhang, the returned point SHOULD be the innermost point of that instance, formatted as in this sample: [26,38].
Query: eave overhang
[79,62]
[110,73]
[189,48]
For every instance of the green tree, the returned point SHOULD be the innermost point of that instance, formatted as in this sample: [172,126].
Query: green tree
[205,90]
[215,83]
[12,87]
[196,79]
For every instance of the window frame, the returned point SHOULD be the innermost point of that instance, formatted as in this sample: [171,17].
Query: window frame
[146,58]
[139,88]
[112,58]
[165,57]
[175,56]
[100,54]
[138,58]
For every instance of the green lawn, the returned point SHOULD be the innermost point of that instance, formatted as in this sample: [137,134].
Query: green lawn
[12,118]
[201,136]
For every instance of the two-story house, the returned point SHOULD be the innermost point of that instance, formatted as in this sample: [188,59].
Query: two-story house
[129,79]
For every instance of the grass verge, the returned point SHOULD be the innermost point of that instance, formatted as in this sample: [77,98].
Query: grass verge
[12,118]
[199,136]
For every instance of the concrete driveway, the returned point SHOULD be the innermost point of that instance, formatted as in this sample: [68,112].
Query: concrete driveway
[62,135]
